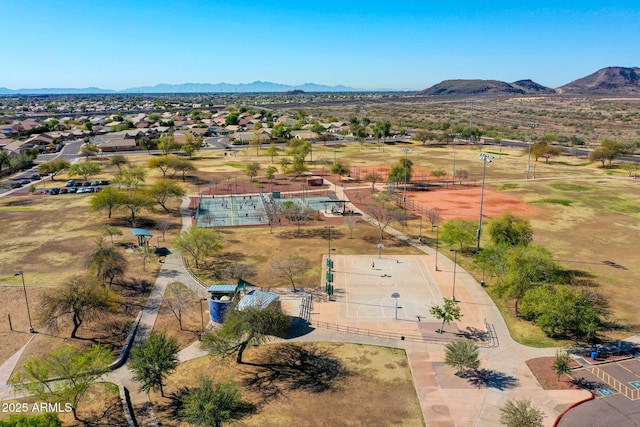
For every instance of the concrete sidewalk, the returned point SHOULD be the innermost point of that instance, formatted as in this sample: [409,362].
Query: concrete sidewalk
[456,403]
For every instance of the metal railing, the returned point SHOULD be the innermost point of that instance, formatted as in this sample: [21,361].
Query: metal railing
[390,335]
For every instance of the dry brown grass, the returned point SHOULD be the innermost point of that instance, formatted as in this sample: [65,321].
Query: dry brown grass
[377,390]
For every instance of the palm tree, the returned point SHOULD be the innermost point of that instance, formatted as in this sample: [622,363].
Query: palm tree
[462,354]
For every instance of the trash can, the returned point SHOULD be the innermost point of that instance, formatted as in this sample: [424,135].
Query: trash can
[594,355]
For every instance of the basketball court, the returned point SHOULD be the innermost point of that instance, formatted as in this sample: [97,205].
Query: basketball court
[390,294]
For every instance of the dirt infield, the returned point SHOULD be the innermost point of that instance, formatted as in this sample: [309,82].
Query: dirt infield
[464,202]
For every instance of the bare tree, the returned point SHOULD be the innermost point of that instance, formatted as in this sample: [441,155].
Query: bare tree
[289,268]
[434,217]
[163,226]
[351,222]
[296,213]
[177,298]
[383,216]
[372,177]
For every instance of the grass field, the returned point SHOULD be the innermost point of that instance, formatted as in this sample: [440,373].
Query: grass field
[367,386]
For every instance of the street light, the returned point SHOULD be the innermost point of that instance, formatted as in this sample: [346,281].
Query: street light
[531,125]
[437,245]
[455,264]
[24,288]
[396,296]
[404,199]
[486,158]
[201,318]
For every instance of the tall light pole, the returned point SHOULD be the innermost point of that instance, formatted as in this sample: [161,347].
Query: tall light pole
[486,158]
[329,227]
[26,300]
[531,125]
[437,245]
[404,198]
[455,264]
[453,171]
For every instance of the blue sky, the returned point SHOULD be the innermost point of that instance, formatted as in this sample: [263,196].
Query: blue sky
[118,44]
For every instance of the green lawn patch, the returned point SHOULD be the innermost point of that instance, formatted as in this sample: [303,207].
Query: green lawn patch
[505,187]
[565,186]
[563,202]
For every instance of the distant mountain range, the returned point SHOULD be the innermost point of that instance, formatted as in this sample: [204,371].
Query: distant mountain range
[255,87]
[617,81]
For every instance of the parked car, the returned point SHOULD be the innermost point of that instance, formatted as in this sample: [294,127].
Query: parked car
[86,184]
[25,181]
[104,182]
[72,190]
[63,191]
[97,189]
[88,190]
[80,190]
[70,183]
[95,183]
[54,191]
[35,177]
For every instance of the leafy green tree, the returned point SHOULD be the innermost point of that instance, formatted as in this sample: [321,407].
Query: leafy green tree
[167,144]
[609,149]
[298,167]
[134,202]
[252,170]
[425,136]
[561,364]
[299,149]
[48,419]
[401,171]
[241,329]
[130,177]
[80,298]
[289,268]
[106,200]
[340,168]
[521,413]
[154,360]
[119,161]
[164,190]
[163,163]
[108,263]
[6,161]
[448,312]
[53,167]
[74,372]
[181,165]
[199,243]
[88,150]
[462,354]
[111,231]
[85,170]
[459,231]
[271,172]
[525,267]
[281,131]
[213,405]
[510,230]
[272,151]
[562,312]
[232,119]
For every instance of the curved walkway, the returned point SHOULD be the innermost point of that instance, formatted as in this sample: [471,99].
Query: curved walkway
[442,404]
